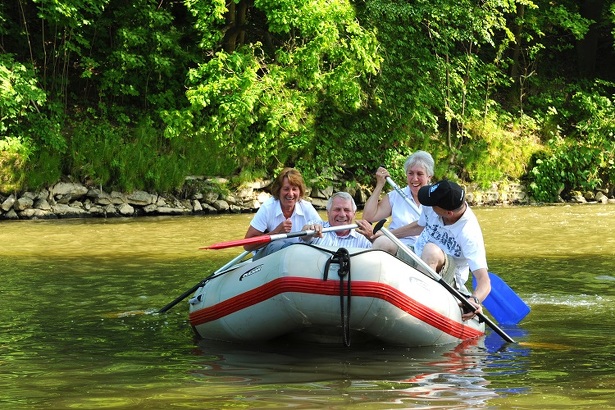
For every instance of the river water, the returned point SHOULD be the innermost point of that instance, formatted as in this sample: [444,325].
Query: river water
[79,328]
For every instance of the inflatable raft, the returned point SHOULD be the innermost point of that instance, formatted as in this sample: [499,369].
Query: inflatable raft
[329,295]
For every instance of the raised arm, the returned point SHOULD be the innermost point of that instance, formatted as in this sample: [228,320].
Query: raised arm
[376,209]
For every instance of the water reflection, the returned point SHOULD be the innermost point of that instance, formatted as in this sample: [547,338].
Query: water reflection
[449,376]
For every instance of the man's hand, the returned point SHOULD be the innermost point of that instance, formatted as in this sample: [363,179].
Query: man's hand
[316,227]
[365,228]
[467,315]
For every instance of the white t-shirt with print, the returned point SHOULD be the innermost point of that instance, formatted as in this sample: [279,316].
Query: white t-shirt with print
[462,240]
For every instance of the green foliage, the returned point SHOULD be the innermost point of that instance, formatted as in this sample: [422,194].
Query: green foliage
[436,76]
[141,94]
[19,96]
[11,167]
[59,42]
[585,160]
[123,158]
[547,48]
[209,20]
[145,63]
[29,138]
[43,170]
[131,62]
[497,153]
[126,158]
[263,110]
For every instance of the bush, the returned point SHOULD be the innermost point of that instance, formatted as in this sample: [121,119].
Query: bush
[584,160]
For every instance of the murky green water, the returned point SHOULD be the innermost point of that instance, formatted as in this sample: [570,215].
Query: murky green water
[78,328]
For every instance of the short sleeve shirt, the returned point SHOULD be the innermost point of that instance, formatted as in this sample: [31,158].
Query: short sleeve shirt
[462,240]
[352,240]
[270,215]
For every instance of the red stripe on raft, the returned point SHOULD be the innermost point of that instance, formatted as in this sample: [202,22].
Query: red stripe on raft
[331,288]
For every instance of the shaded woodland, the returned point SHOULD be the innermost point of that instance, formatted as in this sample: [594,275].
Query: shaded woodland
[139,94]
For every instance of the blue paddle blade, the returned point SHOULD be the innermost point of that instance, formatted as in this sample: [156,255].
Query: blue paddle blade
[506,307]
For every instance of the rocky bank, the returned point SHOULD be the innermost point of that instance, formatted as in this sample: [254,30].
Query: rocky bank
[204,196]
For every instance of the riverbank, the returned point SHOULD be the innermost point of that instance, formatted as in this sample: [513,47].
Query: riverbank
[209,196]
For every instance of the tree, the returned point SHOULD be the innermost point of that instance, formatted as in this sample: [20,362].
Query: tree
[259,95]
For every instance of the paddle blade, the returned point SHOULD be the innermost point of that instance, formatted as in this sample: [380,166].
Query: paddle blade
[506,307]
[263,239]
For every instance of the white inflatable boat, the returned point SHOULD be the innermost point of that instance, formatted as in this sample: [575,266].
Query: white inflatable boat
[328,295]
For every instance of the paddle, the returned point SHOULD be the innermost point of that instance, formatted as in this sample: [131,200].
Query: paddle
[193,289]
[503,303]
[264,239]
[403,195]
[441,281]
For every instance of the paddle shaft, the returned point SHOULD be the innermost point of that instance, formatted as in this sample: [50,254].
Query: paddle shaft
[448,287]
[403,195]
[264,239]
[312,232]
[193,289]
